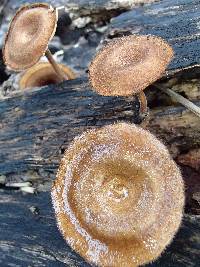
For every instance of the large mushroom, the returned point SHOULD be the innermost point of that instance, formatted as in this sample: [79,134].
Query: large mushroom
[127,65]
[32,27]
[118,196]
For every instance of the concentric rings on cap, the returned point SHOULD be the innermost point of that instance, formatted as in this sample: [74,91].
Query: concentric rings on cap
[127,65]
[118,196]
[27,39]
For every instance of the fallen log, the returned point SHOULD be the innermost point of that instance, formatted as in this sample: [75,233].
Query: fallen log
[175,21]
[36,125]
[29,236]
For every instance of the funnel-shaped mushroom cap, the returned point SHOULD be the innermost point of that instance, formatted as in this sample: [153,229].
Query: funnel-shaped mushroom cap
[127,65]
[43,74]
[29,33]
[118,196]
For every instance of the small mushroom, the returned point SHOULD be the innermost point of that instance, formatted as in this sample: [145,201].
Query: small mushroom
[43,74]
[118,196]
[32,27]
[127,65]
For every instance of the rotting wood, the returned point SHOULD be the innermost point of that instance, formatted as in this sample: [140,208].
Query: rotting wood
[191,159]
[37,125]
[175,21]
[83,7]
[29,236]
[177,127]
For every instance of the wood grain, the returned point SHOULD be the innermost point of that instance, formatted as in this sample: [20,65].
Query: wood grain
[36,125]
[175,21]
[29,236]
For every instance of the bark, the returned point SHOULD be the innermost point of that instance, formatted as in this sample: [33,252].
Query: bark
[174,21]
[36,125]
[29,236]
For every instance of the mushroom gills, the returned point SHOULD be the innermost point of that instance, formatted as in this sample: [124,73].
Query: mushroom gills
[43,74]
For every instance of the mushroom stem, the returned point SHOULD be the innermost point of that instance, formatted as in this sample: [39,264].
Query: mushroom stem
[143,103]
[182,100]
[55,66]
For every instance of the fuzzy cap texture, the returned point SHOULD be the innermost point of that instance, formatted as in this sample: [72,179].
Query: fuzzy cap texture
[118,196]
[27,39]
[127,65]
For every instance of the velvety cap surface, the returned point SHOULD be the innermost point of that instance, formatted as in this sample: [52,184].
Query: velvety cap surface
[127,65]
[118,196]
[29,33]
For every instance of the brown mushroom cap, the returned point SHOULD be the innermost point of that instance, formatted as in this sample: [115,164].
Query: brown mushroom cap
[127,65]
[29,33]
[118,196]
[43,74]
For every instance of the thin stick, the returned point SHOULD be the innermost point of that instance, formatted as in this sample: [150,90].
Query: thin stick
[179,98]
[143,103]
[57,69]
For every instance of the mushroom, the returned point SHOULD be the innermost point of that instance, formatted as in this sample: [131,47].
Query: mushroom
[32,27]
[118,196]
[127,65]
[43,74]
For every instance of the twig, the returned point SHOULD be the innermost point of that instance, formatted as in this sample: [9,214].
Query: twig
[179,98]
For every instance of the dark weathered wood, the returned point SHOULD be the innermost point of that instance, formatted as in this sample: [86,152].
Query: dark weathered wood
[29,236]
[83,7]
[177,127]
[36,125]
[175,21]
[2,6]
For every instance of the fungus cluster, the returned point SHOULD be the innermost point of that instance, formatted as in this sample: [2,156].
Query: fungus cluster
[118,196]
[32,27]
[127,65]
